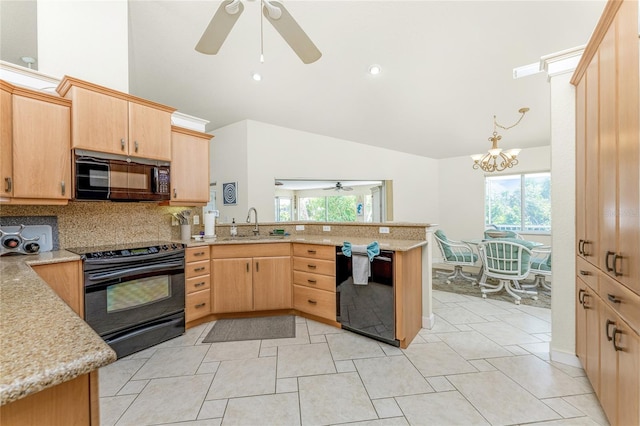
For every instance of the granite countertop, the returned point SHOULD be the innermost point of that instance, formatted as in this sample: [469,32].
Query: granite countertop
[43,342]
[385,244]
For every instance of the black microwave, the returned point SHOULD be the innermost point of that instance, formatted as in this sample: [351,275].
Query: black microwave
[116,178]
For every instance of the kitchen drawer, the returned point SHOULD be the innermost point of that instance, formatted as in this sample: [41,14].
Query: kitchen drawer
[197,305]
[230,251]
[194,284]
[324,267]
[587,273]
[194,269]
[622,300]
[315,251]
[315,302]
[195,254]
[322,282]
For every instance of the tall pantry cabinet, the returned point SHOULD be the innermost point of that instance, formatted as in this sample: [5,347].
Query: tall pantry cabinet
[607,82]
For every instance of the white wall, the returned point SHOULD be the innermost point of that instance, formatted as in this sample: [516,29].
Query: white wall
[86,39]
[461,199]
[228,163]
[563,213]
[274,151]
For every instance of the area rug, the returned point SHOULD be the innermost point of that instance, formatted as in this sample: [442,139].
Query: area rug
[229,330]
[462,286]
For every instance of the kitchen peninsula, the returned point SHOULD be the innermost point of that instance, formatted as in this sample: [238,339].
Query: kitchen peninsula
[46,346]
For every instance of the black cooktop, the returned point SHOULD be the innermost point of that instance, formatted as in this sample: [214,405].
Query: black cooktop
[126,249]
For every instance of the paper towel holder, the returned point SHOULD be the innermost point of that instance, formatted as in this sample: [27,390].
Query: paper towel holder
[210,223]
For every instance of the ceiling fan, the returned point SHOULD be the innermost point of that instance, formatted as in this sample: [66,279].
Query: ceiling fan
[339,187]
[230,10]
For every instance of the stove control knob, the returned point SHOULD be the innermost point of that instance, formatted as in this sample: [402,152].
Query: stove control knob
[32,247]
[174,246]
[165,247]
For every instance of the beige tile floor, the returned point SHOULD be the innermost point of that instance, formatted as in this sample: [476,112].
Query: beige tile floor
[485,362]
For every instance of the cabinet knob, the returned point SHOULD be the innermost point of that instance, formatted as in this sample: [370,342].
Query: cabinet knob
[122,145]
[8,184]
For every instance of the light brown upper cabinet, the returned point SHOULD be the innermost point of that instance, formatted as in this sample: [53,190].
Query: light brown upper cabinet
[108,121]
[189,167]
[35,163]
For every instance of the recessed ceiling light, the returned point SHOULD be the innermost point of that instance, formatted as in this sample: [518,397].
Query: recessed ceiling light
[256,76]
[375,69]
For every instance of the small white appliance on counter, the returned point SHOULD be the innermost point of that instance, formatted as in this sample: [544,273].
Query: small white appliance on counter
[25,239]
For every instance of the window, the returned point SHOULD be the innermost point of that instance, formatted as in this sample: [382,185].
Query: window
[328,209]
[520,203]
[283,209]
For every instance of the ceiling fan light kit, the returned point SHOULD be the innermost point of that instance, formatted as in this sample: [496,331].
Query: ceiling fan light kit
[230,10]
[497,160]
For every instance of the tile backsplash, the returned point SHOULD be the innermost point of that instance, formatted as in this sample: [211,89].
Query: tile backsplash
[104,223]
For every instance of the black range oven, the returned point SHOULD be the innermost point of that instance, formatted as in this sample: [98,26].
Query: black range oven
[134,295]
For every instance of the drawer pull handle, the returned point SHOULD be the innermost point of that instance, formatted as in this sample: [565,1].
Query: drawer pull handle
[585,305]
[311,266]
[257,266]
[613,299]
[581,296]
[200,253]
[202,268]
[584,252]
[313,302]
[584,272]
[581,247]
[311,281]
[613,339]
[247,266]
[608,324]
[311,251]
[615,265]
[122,144]
[63,187]
[200,305]
[200,284]
[8,184]
[606,261]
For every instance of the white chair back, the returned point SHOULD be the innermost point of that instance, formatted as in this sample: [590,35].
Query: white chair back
[505,259]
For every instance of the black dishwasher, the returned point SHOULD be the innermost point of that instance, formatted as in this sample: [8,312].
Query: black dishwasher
[367,309]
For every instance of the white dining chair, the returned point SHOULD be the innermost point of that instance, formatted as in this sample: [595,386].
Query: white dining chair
[508,262]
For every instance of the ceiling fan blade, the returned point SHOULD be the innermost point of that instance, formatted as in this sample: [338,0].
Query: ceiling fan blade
[293,34]
[219,28]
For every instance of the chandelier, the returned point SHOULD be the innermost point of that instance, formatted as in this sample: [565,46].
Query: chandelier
[497,160]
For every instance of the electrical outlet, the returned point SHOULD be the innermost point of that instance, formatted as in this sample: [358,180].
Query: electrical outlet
[196,220]
[174,221]
[326,228]
[299,227]
[383,230]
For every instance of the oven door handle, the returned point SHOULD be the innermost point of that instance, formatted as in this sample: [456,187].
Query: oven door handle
[131,271]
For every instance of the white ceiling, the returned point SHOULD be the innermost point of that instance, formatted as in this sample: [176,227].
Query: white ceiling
[446,68]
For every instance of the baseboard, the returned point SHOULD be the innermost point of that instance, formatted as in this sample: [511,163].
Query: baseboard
[565,358]
[428,322]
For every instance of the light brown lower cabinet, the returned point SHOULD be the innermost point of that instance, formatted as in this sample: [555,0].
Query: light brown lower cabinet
[68,403]
[251,277]
[65,278]
[197,283]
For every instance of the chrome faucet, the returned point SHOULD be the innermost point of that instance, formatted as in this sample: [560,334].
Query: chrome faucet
[255,228]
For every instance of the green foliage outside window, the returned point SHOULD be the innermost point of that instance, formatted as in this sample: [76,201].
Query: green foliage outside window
[519,202]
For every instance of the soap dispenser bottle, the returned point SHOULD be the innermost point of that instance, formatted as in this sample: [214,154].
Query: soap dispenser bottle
[234,229]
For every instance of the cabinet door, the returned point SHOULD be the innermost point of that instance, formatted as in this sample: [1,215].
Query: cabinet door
[149,132]
[608,363]
[581,169]
[272,283]
[66,280]
[591,206]
[231,286]
[628,344]
[189,168]
[6,134]
[100,122]
[608,149]
[628,146]
[41,151]
[592,305]
[581,324]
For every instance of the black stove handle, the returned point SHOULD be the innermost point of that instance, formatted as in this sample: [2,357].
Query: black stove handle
[131,271]
[137,258]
